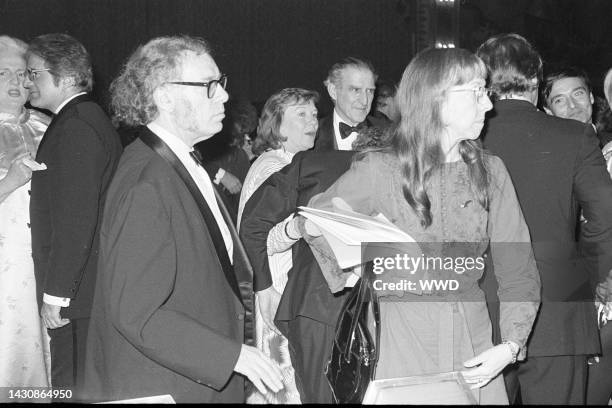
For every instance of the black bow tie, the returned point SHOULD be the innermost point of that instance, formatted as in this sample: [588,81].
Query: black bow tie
[346,130]
[196,156]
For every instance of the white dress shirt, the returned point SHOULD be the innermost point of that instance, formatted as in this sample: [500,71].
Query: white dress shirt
[343,144]
[201,179]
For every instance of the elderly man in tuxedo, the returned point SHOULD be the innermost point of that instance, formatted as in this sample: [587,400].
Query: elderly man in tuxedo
[167,315]
[81,150]
[556,167]
[351,85]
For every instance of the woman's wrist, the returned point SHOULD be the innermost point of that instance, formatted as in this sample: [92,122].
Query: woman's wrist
[514,349]
[294,232]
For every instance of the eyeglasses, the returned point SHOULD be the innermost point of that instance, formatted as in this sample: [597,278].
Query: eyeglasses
[33,73]
[210,85]
[478,91]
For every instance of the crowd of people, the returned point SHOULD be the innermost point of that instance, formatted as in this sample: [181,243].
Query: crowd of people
[142,255]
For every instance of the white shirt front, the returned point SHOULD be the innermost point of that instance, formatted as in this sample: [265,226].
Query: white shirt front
[343,144]
[201,179]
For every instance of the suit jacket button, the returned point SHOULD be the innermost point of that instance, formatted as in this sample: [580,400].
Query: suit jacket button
[240,316]
[29,192]
[28,224]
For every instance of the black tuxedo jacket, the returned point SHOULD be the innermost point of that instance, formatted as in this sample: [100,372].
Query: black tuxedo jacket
[326,139]
[81,150]
[165,318]
[557,168]
[307,293]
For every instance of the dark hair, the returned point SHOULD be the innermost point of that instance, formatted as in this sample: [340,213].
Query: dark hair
[416,141]
[268,131]
[512,62]
[150,66]
[567,72]
[65,57]
[334,75]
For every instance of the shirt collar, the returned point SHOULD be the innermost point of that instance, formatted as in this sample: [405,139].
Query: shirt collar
[173,142]
[59,108]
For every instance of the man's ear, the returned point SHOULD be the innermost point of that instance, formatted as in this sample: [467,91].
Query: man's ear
[68,82]
[331,90]
[591,97]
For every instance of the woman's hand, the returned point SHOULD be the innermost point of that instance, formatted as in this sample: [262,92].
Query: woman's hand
[18,174]
[487,365]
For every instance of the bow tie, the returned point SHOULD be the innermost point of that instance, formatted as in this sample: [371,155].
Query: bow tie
[196,156]
[346,130]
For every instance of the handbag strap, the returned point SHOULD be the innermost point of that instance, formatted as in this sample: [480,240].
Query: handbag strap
[159,147]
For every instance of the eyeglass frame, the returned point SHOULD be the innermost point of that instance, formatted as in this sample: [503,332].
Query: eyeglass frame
[211,86]
[33,73]
[483,90]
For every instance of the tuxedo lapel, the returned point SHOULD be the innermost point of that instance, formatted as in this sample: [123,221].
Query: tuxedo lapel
[159,147]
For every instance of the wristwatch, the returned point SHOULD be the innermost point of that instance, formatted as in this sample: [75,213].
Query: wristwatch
[514,349]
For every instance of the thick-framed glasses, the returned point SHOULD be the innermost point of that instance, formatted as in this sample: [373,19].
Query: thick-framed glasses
[33,73]
[211,86]
[479,91]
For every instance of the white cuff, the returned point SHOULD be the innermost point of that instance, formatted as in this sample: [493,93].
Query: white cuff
[219,176]
[56,301]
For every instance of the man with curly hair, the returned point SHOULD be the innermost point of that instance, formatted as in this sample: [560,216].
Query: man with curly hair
[167,315]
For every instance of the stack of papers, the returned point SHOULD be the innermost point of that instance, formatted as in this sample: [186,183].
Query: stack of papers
[345,231]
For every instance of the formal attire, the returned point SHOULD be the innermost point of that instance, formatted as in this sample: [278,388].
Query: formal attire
[167,316]
[308,311]
[81,150]
[426,331]
[24,344]
[557,167]
[329,136]
[279,261]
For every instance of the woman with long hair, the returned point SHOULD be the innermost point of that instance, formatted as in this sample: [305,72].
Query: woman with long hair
[436,183]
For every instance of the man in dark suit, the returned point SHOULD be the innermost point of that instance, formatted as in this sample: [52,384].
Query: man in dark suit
[351,85]
[308,312]
[557,168]
[81,150]
[567,94]
[167,316]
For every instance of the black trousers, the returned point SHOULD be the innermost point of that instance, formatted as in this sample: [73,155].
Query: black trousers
[68,345]
[558,380]
[310,344]
[599,383]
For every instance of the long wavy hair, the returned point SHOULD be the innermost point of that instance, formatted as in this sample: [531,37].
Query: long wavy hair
[417,137]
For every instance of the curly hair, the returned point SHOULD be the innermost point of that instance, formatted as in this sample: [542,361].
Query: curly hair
[268,131]
[416,139]
[65,57]
[149,67]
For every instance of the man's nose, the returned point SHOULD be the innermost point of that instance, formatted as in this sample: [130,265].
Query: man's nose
[572,102]
[363,98]
[27,82]
[222,93]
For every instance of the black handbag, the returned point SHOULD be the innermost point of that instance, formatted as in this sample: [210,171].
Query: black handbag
[354,355]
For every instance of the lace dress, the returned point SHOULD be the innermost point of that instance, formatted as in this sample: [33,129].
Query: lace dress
[24,343]
[280,262]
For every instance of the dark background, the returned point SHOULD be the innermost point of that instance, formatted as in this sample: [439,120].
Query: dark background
[265,45]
